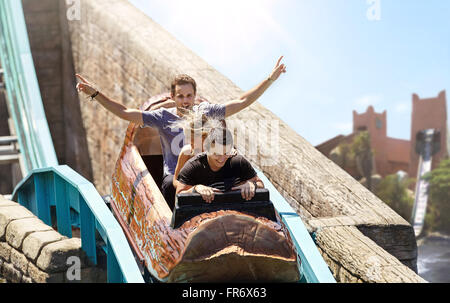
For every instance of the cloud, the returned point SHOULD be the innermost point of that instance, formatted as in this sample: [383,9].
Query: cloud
[225,32]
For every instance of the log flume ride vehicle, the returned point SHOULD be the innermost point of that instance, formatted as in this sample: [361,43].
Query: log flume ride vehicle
[229,240]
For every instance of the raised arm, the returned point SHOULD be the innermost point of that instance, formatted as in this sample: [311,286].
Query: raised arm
[249,97]
[121,111]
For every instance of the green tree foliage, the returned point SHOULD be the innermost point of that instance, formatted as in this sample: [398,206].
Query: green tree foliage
[363,154]
[393,190]
[343,156]
[439,197]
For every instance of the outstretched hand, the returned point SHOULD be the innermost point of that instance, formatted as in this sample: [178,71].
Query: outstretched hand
[278,70]
[85,86]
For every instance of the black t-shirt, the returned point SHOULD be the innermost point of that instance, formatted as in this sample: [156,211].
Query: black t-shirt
[197,171]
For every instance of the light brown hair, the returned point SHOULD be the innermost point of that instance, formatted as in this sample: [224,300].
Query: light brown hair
[181,80]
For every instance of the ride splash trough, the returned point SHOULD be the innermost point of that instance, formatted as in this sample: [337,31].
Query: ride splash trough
[228,240]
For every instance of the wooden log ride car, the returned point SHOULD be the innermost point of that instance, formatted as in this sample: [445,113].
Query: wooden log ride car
[227,240]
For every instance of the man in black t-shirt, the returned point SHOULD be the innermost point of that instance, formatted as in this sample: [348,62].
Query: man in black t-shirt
[218,170]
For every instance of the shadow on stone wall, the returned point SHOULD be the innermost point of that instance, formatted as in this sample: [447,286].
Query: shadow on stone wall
[51,48]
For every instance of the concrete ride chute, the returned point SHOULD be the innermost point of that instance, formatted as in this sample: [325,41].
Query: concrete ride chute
[427,145]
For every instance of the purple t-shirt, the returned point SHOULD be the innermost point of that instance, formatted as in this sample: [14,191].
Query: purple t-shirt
[172,136]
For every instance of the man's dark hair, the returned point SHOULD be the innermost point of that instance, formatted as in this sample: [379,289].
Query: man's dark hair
[181,80]
[220,135]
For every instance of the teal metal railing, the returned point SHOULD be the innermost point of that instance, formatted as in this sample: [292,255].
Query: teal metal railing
[313,268]
[46,184]
[78,204]
[23,94]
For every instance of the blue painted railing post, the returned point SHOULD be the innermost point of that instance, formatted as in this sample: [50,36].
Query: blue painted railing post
[62,207]
[88,231]
[114,273]
[21,199]
[42,199]
[74,204]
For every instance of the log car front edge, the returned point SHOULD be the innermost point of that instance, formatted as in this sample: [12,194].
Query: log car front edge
[225,242]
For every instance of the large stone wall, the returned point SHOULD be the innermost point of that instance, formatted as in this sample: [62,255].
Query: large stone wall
[32,252]
[130,58]
[47,31]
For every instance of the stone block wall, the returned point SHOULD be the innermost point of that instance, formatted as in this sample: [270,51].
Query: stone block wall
[33,252]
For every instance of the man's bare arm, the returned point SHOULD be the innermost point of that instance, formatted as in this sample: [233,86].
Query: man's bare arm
[183,188]
[121,111]
[249,97]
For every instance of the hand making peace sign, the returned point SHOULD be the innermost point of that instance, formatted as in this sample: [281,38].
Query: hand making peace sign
[278,70]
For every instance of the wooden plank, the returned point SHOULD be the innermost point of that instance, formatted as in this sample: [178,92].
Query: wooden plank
[355,256]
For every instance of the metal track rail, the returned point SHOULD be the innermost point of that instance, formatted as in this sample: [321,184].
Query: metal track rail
[421,199]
